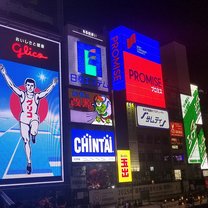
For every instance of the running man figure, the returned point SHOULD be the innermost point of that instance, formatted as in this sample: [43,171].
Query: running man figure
[29,119]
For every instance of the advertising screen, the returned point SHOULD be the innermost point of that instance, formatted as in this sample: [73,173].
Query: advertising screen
[87,64]
[144,83]
[152,117]
[203,150]
[91,108]
[30,109]
[176,129]
[124,166]
[136,67]
[192,120]
[92,145]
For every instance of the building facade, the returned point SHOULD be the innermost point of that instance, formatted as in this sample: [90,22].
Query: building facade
[114,130]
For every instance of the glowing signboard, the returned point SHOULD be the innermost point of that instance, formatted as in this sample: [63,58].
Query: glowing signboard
[202,150]
[152,117]
[144,83]
[88,107]
[30,109]
[195,140]
[124,166]
[87,64]
[92,146]
[89,59]
[176,129]
[136,68]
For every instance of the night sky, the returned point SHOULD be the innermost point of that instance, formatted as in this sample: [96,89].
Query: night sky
[184,21]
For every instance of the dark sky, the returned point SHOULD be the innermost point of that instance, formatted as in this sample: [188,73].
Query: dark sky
[184,21]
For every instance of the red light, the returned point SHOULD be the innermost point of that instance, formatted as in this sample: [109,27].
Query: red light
[144,83]
[16,107]
[26,51]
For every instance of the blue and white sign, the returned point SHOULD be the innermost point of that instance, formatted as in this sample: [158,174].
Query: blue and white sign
[92,146]
[152,117]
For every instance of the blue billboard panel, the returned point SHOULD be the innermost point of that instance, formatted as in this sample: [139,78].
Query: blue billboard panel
[92,145]
[117,61]
[124,39]
[89,59]
[87,64]
[30,109]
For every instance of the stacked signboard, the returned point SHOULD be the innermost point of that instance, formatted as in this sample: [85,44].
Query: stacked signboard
[136,70]
[90,107]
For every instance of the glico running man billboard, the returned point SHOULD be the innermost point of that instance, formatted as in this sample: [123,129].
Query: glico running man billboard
[90,108]
[195,140]
[30,109]
[87,61]
[136,67]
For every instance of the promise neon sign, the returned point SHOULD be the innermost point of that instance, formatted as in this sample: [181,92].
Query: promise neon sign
[136,67]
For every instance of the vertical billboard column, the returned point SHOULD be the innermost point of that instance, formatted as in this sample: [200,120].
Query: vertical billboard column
[30,109]
[136,78]
[91,134]
[176,134]
[195,140]
[124,166]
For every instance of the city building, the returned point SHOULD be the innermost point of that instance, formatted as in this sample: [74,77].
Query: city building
[112,116]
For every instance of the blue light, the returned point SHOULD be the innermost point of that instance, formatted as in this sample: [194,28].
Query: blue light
[89,59]
[92,144]
[124,39]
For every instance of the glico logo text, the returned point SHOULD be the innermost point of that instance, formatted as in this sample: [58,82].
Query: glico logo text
[25,50]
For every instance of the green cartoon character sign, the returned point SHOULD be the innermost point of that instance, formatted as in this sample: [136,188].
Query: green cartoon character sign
[102,106]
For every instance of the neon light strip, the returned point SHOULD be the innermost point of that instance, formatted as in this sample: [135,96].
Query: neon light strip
[86,35]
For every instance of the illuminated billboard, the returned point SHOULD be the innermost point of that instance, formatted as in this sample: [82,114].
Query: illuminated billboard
[89,59]
[87,64]
[202,149]
[124,166]
[90,108]
[92,145]
[30,109]
[195,140]
[152,117]
[144,83]
[136,67]
[176,129]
